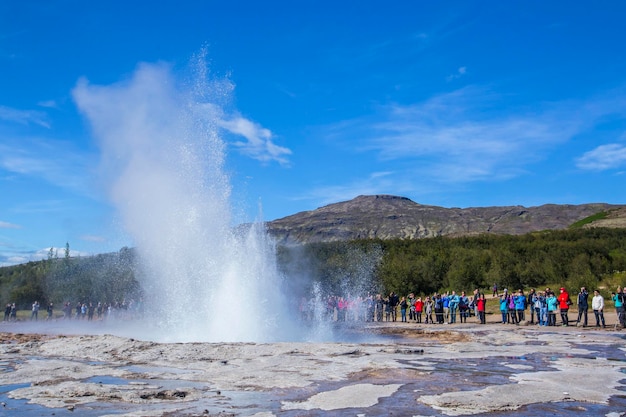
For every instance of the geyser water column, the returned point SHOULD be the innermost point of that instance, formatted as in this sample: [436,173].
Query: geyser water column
[163,164]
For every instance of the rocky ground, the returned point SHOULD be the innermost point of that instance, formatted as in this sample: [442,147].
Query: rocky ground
[406,370]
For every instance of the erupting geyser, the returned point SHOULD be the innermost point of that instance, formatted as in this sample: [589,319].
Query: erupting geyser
[163,159]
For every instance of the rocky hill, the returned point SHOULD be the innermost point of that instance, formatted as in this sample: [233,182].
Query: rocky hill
[613,218]
[387,217]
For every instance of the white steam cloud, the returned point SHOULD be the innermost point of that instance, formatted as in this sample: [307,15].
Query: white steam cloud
[163,159]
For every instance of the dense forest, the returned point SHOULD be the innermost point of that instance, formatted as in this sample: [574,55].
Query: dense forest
[106,277]
[590,257]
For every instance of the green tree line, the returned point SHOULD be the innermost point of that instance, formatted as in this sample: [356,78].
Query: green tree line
[573,258]
[105,277]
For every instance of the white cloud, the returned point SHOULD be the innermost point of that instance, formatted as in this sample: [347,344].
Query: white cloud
[462,136]
[461,71]
[473,134]
[10,255]
[8,260]
[24,116]
[604,157]
[6,225]
[48,103]
[259,144]
[375,183]
[56,162]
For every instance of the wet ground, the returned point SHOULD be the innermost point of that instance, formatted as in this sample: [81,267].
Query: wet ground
[388,370]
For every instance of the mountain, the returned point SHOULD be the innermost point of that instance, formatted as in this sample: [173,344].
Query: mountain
[388,217]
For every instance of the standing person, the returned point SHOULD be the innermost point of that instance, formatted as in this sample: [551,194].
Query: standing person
[411,302]
[439,312]
[342,309]
[552,304]
[387,309]
[463,307]
[542,308]
[445,299]
[403,306]
[7,312]
[583,305]
[619,299]
[428,311]
[535,305]
[67,311]
[369,308]
[597,304]
[477,295]
[453,305]
[504,308]
[50,311]
[419,307]
[480,306]
[380,307]
[35,311]
[520,306]
[564,303]
[495,290]
[394,300]
[531,304]
[90,311]
[512,311]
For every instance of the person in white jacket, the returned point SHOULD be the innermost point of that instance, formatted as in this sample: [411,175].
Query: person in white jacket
[597,304]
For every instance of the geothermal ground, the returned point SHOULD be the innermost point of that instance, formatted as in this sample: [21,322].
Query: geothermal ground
[396,369]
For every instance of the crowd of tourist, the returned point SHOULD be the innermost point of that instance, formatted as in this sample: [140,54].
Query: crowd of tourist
[80,311]
[537,307]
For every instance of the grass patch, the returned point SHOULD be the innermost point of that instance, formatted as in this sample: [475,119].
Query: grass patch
[580,223]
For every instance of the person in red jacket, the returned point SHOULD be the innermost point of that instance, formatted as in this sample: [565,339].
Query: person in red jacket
[419,307]
[564,303]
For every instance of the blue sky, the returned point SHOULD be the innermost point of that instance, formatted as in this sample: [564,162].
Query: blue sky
[455,104]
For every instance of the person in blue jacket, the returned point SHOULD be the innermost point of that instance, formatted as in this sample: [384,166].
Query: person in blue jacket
[453,305]
[553,305]
[520,305]
[504,307]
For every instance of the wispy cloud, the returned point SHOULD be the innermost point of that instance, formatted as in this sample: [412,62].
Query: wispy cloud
[7,225]
[41,206]
[604,157]
[51,104]
[13,256]
[56,162]
[259,144]
[469,135]
[458,74]
[387,182]
[24,116]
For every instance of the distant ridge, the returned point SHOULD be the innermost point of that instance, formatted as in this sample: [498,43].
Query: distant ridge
[389,217]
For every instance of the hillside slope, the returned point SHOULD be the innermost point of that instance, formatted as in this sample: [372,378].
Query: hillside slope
[387,217]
